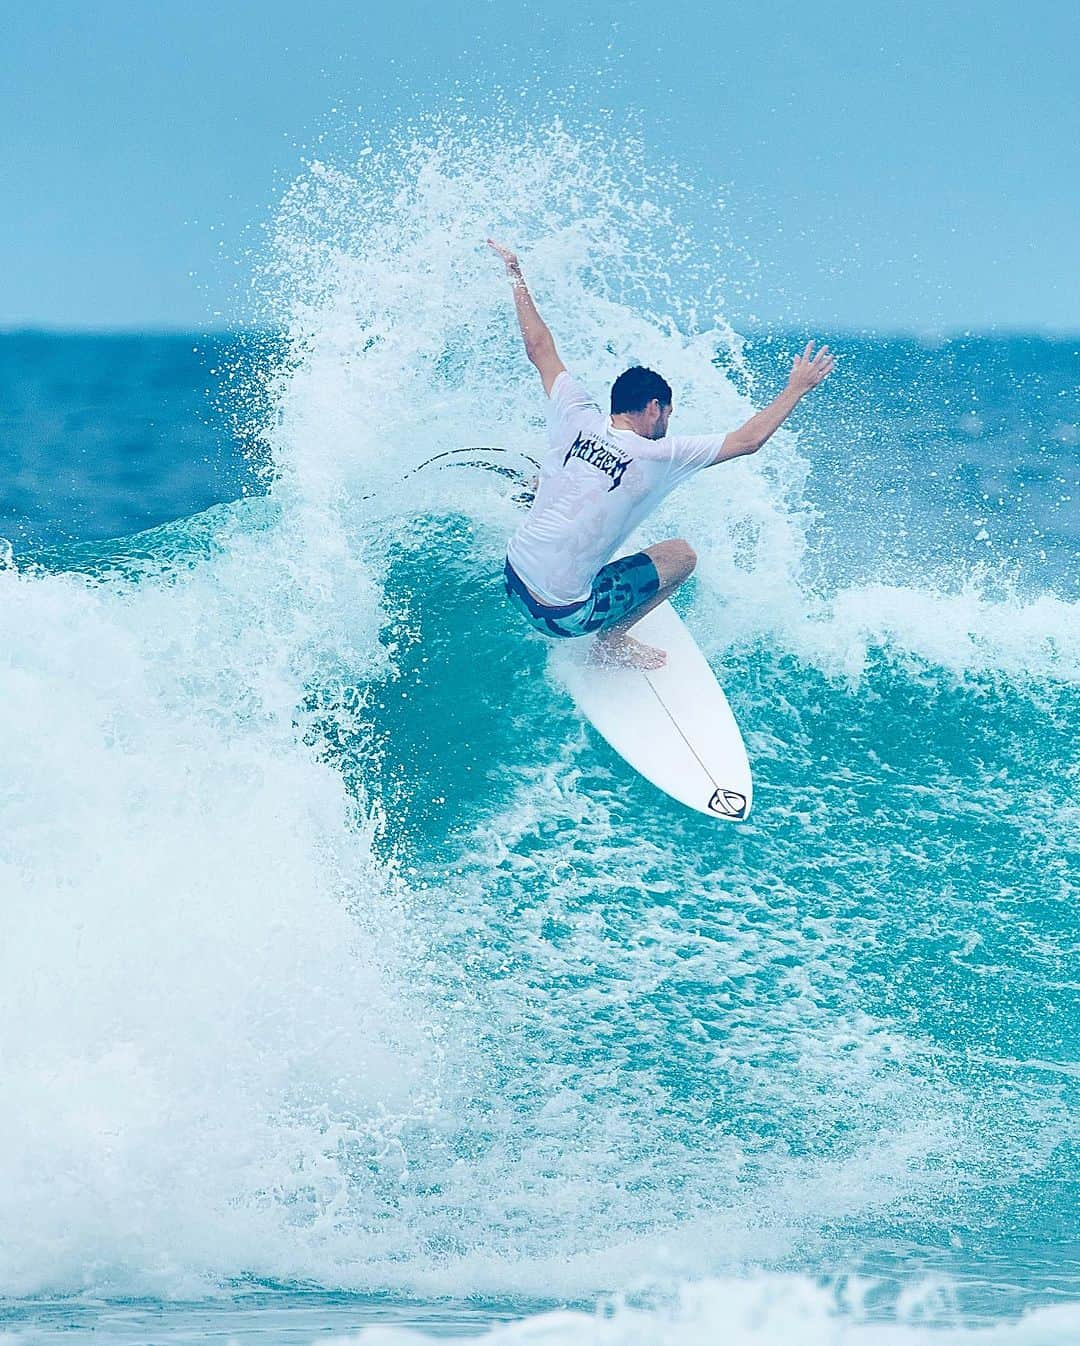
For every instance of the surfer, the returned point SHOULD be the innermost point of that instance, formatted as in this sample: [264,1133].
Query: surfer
[602,477]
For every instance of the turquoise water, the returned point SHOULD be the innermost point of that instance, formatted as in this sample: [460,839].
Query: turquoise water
[350,984]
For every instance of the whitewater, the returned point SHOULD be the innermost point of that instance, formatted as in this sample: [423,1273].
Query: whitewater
[340,959]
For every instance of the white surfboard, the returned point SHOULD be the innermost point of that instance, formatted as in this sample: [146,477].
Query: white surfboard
[672,724]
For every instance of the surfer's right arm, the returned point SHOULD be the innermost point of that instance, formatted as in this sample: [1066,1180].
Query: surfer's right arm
[539,343]
[690,453]
[807,371]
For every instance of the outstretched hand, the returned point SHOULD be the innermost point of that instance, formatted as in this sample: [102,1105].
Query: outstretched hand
[808,369]
[513,266]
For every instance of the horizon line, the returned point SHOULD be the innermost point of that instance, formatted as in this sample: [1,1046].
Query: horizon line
[925,334]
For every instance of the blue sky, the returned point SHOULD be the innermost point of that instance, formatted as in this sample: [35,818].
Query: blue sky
[901,166]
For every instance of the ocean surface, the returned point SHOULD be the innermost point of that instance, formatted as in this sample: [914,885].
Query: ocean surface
[351,986]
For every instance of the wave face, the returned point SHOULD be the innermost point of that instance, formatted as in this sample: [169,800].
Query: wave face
[338,952]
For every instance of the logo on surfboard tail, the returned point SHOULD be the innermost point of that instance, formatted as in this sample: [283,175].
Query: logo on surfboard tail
[728,804]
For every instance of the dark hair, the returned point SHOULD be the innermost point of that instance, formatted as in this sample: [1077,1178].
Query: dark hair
[636,388]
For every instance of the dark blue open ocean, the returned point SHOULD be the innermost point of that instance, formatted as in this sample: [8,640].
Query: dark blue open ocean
[350,984]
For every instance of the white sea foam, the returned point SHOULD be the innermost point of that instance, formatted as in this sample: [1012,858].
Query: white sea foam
[197,975]
[764,1310]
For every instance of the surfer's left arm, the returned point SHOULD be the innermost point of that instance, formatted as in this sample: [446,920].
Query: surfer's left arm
[807,371]
[539,343]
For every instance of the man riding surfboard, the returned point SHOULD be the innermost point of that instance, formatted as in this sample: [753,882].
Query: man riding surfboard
[602,476]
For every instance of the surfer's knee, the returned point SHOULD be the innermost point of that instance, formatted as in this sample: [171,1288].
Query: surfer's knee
[674,560]
[680,559]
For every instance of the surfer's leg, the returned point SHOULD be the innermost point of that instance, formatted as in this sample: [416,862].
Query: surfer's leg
[674,561]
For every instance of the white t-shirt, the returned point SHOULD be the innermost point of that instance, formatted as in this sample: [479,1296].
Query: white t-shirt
[597,483]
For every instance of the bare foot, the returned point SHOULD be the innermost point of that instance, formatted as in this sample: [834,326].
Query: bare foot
[626,652]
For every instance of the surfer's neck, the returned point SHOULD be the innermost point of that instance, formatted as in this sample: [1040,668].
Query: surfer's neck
[651,423]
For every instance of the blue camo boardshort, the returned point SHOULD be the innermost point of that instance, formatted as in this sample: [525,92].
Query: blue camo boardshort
[618,589]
